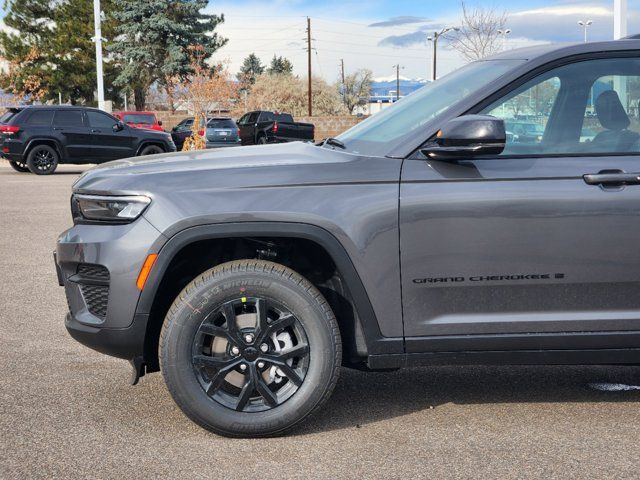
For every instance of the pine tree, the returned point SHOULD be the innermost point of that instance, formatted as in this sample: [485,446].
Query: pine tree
[280,66]
[154,41]
[50,51]
[251,68]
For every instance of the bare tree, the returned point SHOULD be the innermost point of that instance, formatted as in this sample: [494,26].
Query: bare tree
[478,34]
[356,89]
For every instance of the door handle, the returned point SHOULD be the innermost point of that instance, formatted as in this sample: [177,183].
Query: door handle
[612,178]
[93,130]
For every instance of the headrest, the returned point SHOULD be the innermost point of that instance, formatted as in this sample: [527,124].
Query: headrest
[610,111]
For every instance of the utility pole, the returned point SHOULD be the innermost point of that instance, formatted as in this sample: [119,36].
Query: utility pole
[98,39]
[397,82]
[309,65]
[344,89]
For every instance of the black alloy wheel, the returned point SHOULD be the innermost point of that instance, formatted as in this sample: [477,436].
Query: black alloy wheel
[250,367]
[42,160]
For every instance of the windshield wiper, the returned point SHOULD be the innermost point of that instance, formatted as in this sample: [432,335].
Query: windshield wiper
[335,142]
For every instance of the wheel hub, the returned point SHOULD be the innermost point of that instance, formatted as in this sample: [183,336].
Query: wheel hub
[250,354]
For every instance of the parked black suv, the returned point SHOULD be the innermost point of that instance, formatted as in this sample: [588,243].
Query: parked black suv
[261,127]
[38,138]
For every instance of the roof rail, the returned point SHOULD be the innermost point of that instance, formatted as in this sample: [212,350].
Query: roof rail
[635,36]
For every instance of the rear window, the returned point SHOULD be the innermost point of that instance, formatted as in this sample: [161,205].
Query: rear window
[284,117]
[8,115]
[41,118]
[140,118]
[221,123]
[68,118]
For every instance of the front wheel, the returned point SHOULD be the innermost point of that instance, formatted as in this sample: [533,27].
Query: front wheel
[250,348]
[42,160]
[19,166]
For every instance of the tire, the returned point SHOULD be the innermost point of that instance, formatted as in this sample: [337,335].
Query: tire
[151,150]
[19,166]
[298,328]
[42,160]
[262,140]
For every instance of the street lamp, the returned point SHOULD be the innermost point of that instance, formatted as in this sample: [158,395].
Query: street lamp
[434,39]
[585,24]
[504,34]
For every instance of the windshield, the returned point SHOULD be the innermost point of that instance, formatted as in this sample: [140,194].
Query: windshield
[379,132]
[140,118]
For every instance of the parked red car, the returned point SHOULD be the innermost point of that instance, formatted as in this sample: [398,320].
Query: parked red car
[140,120]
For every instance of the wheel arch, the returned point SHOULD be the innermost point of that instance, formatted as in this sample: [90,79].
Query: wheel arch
[52,142]
[362,336]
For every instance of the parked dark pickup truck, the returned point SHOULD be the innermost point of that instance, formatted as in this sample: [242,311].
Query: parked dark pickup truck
[272,127]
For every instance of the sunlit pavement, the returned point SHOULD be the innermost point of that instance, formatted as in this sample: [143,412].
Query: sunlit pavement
[69,412]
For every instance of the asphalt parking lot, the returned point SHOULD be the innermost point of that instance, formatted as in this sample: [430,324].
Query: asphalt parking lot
[69,412]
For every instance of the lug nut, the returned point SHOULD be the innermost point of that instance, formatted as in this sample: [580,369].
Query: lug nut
[264,347]
[243,367]
[248,338]
[235,350]
[260,364]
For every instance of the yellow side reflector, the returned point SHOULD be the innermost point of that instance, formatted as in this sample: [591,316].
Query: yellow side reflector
[146,270]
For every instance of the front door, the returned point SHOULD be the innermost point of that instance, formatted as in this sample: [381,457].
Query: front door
[542,239]
[109,143]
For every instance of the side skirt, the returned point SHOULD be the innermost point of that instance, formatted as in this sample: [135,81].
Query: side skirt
[625,356]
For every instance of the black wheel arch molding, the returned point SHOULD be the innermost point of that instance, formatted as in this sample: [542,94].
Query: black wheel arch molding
[167,249]
[146,143]
[34,142]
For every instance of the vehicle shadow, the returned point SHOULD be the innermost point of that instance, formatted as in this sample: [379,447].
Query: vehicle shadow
[367,397]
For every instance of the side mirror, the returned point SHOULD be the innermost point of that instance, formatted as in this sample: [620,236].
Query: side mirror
[118,127]
[174,129]
[467,136]
[160,122]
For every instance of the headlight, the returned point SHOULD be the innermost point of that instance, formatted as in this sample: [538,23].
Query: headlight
[116,209]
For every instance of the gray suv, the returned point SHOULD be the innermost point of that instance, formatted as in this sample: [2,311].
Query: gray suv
[422,236]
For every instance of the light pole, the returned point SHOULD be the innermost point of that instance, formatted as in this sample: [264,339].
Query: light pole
[504,34]
[585,24]
[98,39]
[434,39]
[398,67]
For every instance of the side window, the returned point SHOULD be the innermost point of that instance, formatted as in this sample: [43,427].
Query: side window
[253,117]
[68,118]
[526,114]
[588,107]
[267,117]
[243,119]
[610,122]
[41,118]
[100,120]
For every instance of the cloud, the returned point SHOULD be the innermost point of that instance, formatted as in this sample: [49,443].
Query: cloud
[394,21]
[419,37]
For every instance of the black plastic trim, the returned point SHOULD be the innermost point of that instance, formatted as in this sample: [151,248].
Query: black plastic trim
[376,343]
[127,343]
[622,356]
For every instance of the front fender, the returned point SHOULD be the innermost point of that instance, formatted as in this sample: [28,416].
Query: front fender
[376,342]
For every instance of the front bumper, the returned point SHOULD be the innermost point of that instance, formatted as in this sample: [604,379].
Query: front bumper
[127,343]
[98,266]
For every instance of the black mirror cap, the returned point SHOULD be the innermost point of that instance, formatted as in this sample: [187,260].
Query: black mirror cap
[160,122]
[118,127]
[468,136]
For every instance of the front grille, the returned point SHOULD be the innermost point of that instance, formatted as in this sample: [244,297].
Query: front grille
[93,281]
[93,272]
[96,297]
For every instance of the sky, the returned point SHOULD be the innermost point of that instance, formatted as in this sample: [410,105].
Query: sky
[378,34]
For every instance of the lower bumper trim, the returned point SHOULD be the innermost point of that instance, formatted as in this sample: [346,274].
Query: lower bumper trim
[126,343]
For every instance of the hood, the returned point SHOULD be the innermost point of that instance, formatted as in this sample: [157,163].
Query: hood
[294,163]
